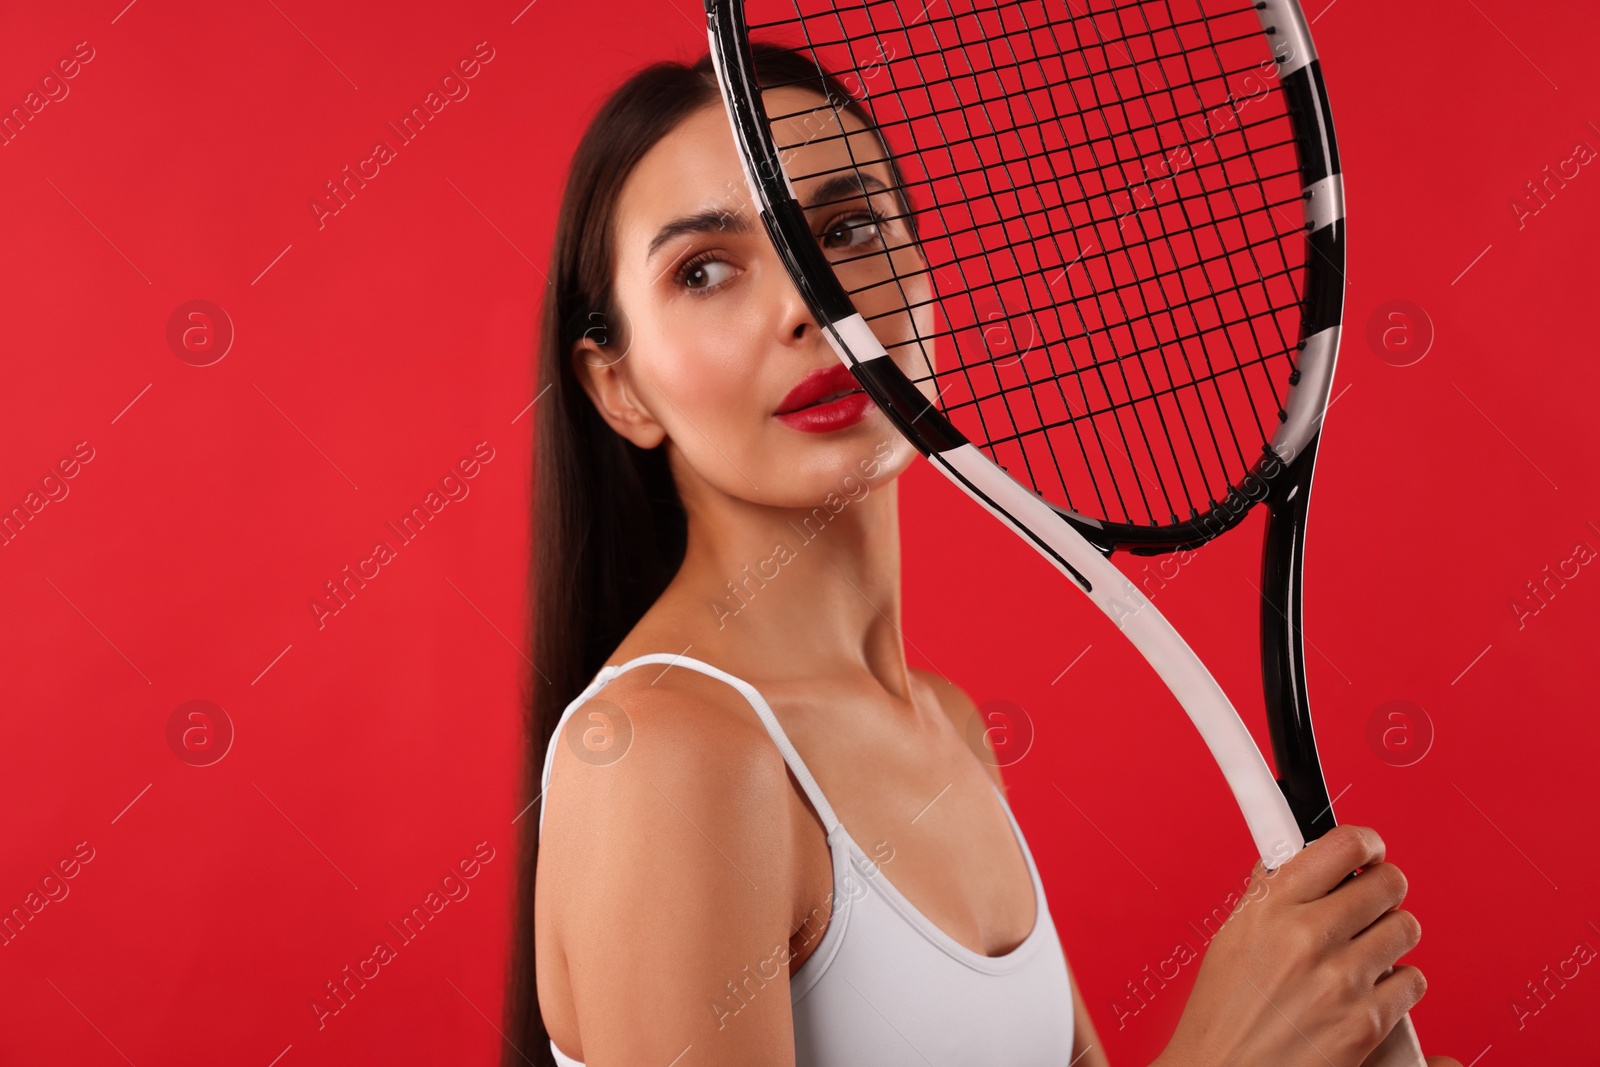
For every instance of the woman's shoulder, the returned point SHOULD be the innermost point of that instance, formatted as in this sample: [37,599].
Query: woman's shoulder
[662,731]
[661,867]
[677,702]
[962,712]
[951,696]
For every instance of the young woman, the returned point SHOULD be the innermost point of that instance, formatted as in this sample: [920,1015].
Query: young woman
[765,839]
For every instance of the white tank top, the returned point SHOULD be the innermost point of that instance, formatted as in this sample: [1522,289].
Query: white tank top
[885,985]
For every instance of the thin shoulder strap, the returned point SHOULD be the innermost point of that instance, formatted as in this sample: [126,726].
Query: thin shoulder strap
[763,711]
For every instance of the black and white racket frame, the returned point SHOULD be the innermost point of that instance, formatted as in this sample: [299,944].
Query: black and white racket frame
[1284,813]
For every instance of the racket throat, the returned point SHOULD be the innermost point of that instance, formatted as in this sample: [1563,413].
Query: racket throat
[1294,745]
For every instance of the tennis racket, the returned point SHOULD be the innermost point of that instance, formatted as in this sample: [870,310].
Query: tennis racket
[1088,257]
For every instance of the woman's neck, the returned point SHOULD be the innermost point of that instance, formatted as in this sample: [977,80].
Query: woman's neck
[795,592]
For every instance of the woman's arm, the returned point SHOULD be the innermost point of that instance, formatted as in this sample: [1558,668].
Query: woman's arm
[661,883]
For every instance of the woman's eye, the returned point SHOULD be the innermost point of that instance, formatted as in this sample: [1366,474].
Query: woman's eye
[850,230]
[707,274]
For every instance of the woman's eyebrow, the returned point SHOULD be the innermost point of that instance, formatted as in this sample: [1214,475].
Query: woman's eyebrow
[845,187]
[711,220]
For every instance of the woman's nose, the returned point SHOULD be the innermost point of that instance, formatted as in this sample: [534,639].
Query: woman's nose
[797,320]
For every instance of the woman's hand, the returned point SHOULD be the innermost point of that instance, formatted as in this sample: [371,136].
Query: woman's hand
[1302,974]
[1396,1050]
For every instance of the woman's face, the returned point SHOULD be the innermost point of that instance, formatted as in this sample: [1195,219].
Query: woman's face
[716,336]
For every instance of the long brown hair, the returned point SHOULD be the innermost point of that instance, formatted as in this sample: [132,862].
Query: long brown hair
[609,530]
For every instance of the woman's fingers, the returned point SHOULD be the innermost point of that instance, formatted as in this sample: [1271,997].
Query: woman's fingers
[1306,975]
[1398,994]
[1363,900]
[1384,942]
[1317,870]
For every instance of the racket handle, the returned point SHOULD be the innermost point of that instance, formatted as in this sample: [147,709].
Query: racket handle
[1400,1049]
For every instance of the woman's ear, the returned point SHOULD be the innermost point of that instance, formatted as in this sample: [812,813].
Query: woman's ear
[608,384]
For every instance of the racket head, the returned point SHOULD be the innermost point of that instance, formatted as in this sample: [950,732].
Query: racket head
[1105,245]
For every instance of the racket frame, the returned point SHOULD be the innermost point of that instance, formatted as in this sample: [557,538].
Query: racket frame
[1284,813]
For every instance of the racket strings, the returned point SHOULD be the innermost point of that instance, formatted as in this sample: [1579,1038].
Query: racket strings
[1193,332]
[1285,345]
[1119,337]
[1027,456]
[1239,362]
[1158,392]
[907,187]
[1025,157]
[980,398]
[1200,260]
[1043,425]
[974,100]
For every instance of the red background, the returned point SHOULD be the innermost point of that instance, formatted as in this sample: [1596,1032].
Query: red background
[373,754]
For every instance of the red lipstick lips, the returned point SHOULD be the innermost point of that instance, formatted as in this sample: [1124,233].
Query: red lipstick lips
[825,400]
